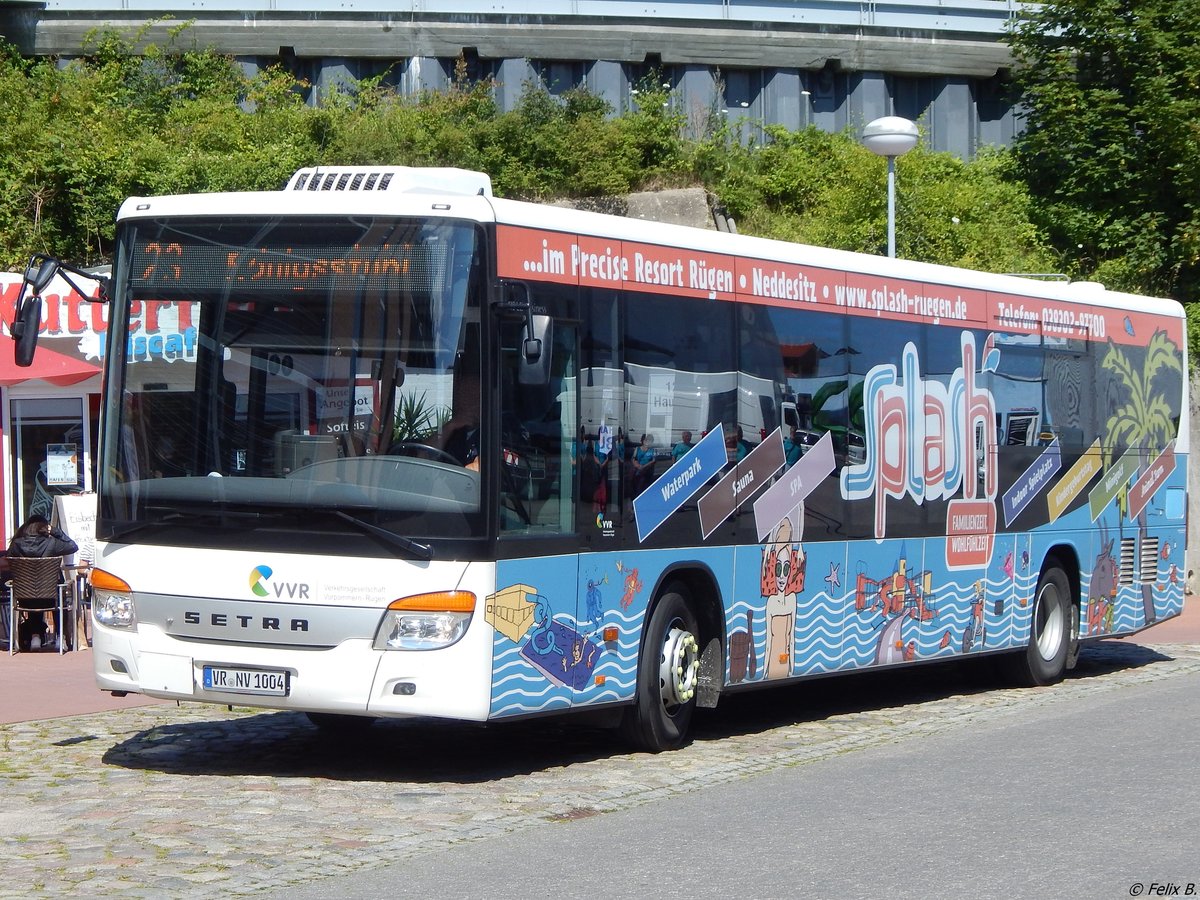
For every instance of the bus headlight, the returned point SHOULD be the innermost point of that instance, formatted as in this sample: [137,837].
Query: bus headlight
[112,600]
[113,610]
[425,621]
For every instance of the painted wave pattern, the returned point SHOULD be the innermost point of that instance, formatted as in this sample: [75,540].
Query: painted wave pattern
[519,687]
[829,634]
[1129,612]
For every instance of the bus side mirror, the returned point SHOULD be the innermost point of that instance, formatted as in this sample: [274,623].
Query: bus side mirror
[28,318]
[28,313]
[25,328]
[535,350]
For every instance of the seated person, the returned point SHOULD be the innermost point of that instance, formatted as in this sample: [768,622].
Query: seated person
[460,433]
[460,438]
[36,538]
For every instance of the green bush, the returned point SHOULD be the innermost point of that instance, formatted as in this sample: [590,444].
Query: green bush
[80,138]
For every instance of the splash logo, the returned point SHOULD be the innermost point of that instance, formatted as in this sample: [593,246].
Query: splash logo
[258,575]
[929,440]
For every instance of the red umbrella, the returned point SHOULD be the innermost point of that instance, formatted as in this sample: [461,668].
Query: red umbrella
[48,365]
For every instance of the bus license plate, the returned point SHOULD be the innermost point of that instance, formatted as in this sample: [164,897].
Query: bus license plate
[246,681]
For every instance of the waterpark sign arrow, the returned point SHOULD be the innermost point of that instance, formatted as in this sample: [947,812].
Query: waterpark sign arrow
[1112,482]
[679,483]
[1082,471]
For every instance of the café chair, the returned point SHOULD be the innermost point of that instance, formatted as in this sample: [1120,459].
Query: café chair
[36,588]
[5,591]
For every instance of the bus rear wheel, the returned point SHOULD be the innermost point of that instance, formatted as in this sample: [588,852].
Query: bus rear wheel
[668,673]
[1045,659]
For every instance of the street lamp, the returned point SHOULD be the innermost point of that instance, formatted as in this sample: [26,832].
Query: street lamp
[890,136]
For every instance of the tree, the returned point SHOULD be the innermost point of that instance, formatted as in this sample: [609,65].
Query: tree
[828,190]
[1111,143]
[78,139]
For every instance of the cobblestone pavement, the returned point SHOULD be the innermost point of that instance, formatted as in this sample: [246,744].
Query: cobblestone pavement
[202,801]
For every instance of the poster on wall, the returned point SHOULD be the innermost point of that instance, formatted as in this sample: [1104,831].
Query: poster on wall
[62,464]
[75,514]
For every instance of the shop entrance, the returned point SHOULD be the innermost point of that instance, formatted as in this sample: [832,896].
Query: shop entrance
[51,443]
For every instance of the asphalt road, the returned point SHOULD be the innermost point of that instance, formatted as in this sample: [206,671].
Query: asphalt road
[933,781]
[1092,798]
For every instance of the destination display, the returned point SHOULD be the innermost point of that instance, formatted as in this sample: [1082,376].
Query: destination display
[162,265]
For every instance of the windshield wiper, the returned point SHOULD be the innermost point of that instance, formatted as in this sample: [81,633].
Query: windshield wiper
[421,551]
[414,548]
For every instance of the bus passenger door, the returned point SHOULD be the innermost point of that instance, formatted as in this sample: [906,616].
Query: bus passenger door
[538,542]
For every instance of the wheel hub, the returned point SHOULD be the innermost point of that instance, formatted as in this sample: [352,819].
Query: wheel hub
[680,667]
[1053,627]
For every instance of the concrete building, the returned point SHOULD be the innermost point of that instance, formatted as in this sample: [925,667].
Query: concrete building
[834,64]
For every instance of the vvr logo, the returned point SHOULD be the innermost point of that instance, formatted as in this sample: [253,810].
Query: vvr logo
[257,576]
[261,575]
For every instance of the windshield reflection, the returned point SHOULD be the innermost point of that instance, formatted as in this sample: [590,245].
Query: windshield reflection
[282,365]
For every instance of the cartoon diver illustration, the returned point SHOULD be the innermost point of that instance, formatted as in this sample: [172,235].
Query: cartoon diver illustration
[595,603]
[899,596]
[521,614]
[633,586]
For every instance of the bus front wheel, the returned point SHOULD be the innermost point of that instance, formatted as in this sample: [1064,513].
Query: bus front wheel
[1045,659]
[668,672]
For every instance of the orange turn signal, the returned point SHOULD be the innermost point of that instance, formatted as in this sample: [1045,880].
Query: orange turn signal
[106,581]
[437,601]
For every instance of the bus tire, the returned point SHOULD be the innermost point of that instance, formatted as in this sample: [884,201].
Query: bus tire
[668,673]
[1044,660]
[332,723]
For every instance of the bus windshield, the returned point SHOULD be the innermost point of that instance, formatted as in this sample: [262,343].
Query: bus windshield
[305,378]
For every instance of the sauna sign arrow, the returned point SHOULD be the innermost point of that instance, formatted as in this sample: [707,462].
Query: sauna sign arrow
[742,482]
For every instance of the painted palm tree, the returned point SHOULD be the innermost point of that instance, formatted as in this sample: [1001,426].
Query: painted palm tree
[1145,421]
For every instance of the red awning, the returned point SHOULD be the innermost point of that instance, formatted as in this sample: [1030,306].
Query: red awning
[48,365]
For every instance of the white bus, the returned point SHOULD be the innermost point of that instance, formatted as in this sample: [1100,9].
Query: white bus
[329,506]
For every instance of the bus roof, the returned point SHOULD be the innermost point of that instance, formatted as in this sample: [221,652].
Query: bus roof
[463,194]
[553,218]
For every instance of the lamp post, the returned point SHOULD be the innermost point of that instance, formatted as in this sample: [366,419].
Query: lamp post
[890,136]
